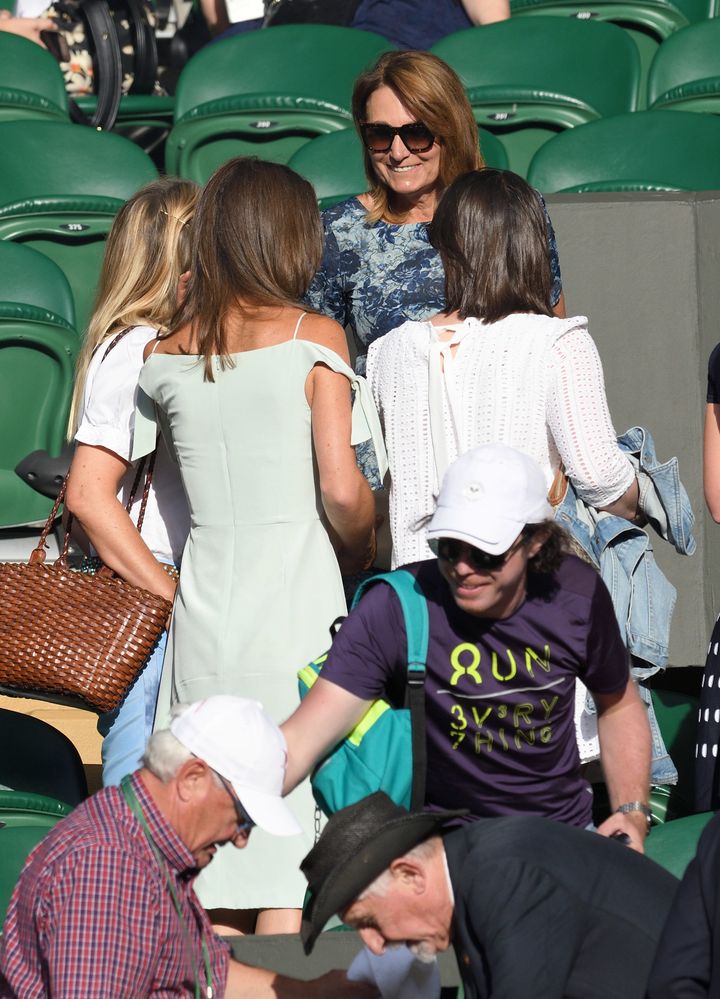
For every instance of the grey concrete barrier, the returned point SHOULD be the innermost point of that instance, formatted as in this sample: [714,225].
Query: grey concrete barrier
[645,269]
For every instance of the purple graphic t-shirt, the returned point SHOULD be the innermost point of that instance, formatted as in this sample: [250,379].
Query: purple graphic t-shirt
[499,694]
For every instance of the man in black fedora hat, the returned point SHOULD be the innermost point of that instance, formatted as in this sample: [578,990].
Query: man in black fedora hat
[532,907]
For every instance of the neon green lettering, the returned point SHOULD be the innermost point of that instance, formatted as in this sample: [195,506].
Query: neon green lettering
[522,711]
[513,666]
[483,740]
[457,729]
[528,736]
[458,668]
[549,705]
[532,657]
[478,720]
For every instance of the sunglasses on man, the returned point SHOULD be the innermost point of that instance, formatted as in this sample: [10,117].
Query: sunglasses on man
[244,822]
[451,550]
[378,138]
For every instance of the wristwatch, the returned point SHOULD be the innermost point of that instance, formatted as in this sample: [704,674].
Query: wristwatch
[637,806]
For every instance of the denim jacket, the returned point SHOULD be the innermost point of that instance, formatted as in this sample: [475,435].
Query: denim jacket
[642,596]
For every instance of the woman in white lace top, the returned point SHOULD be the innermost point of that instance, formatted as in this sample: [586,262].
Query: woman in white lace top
[495,366]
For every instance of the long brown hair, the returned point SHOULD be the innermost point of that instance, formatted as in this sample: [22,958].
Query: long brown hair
[434,94]
[147,250]
[257,241]
[490,231]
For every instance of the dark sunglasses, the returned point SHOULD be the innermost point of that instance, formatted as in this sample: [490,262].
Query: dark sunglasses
[451,550]
[244,822]
[416,137]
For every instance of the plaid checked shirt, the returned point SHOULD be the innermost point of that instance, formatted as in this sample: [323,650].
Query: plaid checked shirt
[92,918]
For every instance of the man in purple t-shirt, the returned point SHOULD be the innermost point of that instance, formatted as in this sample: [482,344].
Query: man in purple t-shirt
[513,621]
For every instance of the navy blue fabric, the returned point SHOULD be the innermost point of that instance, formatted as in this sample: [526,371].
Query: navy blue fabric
[412,24]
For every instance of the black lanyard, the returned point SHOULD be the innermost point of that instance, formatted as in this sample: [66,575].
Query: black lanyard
[136,808]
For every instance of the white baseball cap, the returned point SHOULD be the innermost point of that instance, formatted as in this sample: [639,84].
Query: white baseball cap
[235,737]
[487,496]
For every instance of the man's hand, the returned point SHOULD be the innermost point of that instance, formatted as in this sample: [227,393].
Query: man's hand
[26,27]
[625,756]
[633,824]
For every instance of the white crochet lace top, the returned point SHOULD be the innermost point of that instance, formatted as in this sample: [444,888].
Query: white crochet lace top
[533,382]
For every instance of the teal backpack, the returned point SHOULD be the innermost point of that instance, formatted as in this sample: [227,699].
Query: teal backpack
[386,749]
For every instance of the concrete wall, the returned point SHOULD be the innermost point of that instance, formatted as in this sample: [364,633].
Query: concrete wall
[645,269]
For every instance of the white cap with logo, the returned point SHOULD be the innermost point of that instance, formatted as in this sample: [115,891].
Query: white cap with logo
[235,737]
[487,496]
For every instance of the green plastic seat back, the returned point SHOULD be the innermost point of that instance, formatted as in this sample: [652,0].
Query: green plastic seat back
[136,109]
[530,78]
[658,17]
[676,714]
[674,844]
[25,819]
[646,22]
[37,758]
[30,278]
[60,188]
[36,378]
[333,164]
[644,151]
[38,347]
[266,94]
[31,84]
[685,73]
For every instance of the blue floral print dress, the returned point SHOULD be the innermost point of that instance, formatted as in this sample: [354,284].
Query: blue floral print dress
[375,277]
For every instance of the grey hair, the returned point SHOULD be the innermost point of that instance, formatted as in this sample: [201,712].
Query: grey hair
[164,753]
[380,886]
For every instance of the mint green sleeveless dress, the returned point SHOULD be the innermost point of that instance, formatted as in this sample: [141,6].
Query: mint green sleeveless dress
[260,584]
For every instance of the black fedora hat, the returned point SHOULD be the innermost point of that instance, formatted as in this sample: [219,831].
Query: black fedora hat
[356,846]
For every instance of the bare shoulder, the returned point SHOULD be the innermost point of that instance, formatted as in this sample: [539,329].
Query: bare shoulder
[326,332]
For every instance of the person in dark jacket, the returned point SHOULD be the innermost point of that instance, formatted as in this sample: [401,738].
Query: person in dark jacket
[687,964]
[532,907]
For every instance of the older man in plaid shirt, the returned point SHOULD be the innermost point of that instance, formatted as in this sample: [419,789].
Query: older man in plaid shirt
[105,905]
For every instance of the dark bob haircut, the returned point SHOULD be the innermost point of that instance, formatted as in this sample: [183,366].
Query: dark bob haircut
[491,234]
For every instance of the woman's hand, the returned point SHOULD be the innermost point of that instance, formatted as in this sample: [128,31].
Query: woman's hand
[95,477]
[26,27]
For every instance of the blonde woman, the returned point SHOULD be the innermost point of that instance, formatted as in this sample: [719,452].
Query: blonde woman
[147,251]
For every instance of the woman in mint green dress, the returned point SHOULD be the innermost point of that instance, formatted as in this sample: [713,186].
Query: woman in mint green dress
[254,396]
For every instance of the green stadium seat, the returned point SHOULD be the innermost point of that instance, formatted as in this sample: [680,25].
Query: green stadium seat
[644,151]
[674,844]
[31,84]
[530,79]
[38,346]
[265,93]
[685,73]
[36,757]
[25,819]
[647,22]
[333,163]
[676,714]
[145,119]
[60,188]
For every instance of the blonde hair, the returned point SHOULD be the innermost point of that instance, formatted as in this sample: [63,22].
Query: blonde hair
[257,241]
[434,94]
[147,250]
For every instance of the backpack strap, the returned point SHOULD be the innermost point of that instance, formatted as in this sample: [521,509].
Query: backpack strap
[417,629]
